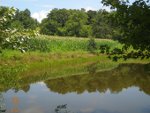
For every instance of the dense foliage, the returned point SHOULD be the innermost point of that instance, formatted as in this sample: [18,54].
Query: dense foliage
[16,27]
[79,23]
[23,20]
[6,15]
[134,22]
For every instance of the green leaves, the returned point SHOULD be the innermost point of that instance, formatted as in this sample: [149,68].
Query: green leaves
[133,19]
[12,38]
[6,14]
[65,22]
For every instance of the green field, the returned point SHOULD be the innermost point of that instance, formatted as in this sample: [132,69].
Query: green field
[51,48]
[63,44]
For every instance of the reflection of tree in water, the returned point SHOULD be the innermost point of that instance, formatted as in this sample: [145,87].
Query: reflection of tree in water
[62,109]
[20,78]
[2,104]
[124,76]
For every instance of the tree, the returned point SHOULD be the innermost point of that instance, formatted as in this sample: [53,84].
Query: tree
[48,27]
[55,22]
[76,22]
[85,31]
[23,19]
[65,22]
[91,15]
[12,38]
[134,22]
[101,26]
[6,14]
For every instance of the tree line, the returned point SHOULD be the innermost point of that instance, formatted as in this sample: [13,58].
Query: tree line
[66,22]
[79,23]
[20,19]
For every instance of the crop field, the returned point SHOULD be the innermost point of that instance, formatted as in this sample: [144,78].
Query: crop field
[62,44]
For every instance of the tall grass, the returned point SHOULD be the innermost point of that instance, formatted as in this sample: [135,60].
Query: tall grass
[57,44]
[36,44]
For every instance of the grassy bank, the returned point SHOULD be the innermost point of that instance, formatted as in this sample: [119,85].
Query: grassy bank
[45,48]
[35,67]
[36,60]
[54,57]
[59,51]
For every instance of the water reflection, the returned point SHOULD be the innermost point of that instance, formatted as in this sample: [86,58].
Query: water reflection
[20,78]
[112,91]
[124,76]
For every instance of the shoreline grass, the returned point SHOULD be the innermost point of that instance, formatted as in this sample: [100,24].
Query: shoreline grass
[20,69]
[19,73]
[68,56]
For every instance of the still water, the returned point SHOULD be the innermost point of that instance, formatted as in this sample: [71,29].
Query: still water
[124,89]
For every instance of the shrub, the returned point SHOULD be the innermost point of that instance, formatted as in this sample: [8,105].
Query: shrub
[104,49]
[91,45]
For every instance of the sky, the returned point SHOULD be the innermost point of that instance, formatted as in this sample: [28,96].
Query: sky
[40,8]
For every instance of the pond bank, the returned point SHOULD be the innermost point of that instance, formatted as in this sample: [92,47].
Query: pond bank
[19,69]
[13,58]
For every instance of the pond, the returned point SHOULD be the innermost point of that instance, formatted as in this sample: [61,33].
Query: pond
[123,89]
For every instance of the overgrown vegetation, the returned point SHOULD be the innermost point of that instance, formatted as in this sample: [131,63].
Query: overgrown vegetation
[133,20]
[18,30]
[13,38]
